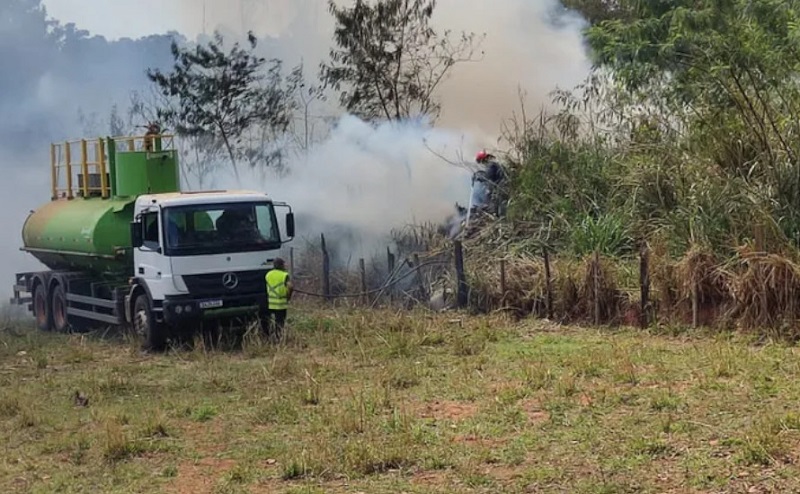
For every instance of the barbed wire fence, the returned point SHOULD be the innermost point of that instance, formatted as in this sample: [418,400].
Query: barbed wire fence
[415,279]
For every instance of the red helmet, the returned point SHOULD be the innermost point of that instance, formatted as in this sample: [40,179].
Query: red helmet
[481,156]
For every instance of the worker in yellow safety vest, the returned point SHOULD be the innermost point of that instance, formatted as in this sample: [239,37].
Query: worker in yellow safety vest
[279,293]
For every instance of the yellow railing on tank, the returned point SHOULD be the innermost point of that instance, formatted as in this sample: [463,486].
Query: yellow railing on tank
[92,163]
[147,142]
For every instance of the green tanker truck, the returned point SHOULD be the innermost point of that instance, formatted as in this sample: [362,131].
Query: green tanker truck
[124,246]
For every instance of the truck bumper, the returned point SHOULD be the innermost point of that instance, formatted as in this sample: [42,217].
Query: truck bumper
[182,309]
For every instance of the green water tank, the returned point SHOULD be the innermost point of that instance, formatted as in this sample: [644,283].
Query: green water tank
[141,172]
[92,232]
[83,234]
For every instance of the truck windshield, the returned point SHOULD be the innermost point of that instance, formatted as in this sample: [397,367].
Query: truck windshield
[218,228]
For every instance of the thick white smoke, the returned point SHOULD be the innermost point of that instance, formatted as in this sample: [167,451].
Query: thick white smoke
[532,45]
[369,180]
[361,179]
[366,180]
[27,191]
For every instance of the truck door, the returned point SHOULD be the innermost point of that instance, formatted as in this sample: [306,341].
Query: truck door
[151,264]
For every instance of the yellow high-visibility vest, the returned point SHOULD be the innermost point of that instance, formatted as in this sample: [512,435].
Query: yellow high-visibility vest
[277,291]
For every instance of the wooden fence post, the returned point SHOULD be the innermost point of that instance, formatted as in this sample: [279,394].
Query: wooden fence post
[644,281]
[420,281]
[503,281]
[548,282]
[390,265]
[363,280]
[461,292]
[326,270]
[596,279]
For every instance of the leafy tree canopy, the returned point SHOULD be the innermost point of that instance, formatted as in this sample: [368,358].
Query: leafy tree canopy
[227,94]
[388,61]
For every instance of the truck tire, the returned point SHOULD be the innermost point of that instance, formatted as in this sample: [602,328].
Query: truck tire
[146,327]
[41,309]
[59,310]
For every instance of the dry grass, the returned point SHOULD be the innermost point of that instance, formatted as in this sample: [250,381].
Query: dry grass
[598,293]
[384,401]
[753,290]
[525,288]
[765,289]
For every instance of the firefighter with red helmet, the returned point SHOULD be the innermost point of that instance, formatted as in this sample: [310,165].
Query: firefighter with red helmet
[487,182]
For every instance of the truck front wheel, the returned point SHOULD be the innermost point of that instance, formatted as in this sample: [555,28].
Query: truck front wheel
[41,309]
[145,325]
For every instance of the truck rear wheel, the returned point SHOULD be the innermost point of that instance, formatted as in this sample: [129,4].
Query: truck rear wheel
[59,309]
[41,309]
[146,327]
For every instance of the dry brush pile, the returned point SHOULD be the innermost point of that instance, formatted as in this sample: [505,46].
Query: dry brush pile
[505,271]
[749,290]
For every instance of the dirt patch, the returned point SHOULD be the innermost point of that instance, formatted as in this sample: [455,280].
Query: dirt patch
[536,414]
[504,474]
[207,438]
[475,440]
[200,476]
[448,410]
[436,478]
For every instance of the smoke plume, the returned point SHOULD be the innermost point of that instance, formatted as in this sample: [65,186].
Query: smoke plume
[529,45]
[363,181]
[360,181]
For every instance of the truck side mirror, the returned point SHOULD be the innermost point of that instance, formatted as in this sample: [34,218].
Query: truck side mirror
[290,225]
[136,234]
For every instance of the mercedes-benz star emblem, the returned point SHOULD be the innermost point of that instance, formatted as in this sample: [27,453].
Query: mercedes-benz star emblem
[230,281]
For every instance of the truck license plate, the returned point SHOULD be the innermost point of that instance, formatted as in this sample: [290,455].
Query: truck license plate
[210,304]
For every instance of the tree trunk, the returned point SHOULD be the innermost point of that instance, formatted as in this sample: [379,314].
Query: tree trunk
[230,154]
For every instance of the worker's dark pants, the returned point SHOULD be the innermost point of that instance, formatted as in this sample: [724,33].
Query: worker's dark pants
[276,327]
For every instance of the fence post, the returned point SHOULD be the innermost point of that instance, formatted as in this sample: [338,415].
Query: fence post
[644,280]
[548,282]
[363,280]
[423,293]
[503,281]
[461,293]
[390,266]
[291,260]
[326,270]
[695,304]
[596,277]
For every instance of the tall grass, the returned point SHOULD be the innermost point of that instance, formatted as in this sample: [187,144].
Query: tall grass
[611,167]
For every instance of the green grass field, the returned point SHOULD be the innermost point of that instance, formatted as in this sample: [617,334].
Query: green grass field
[408,402]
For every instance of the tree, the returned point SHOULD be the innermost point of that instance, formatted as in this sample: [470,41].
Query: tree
[388,62]
[715,61]
[723,74]
[225,94]
[303,127]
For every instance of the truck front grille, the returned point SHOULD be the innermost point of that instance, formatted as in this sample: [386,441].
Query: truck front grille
[241,282]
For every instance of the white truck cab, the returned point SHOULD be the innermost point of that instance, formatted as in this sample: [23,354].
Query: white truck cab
[203,255]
